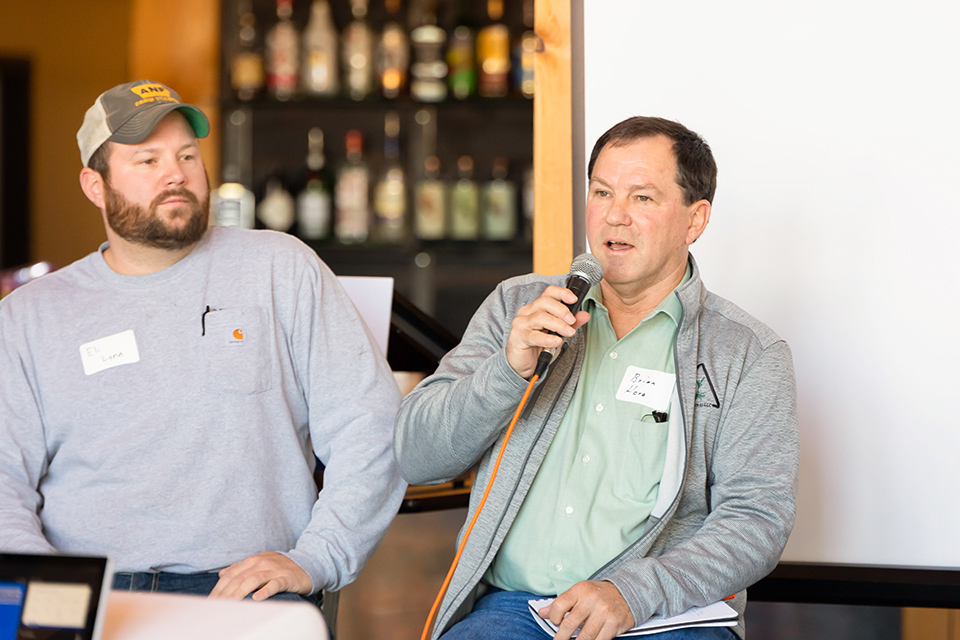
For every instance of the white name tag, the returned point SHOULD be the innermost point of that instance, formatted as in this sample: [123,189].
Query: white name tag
[112,351]
[647,387]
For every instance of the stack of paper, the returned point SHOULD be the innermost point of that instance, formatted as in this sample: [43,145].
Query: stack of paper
[718,614]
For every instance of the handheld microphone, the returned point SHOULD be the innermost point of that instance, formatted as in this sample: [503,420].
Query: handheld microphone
[585,271]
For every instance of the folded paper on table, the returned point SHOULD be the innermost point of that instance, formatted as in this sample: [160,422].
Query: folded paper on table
[718,614]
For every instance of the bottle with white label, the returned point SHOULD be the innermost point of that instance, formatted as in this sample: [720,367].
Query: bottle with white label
[277,210]
[283,53]
[352,223]
[233,206]
[320,73]
[357,59]
[390,194]
[314,202]
[430,202]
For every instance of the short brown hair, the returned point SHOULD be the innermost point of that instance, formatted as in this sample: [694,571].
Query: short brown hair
[696,168]
[100,160]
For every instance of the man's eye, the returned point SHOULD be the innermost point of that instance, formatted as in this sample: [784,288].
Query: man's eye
[643,198]
[602,193]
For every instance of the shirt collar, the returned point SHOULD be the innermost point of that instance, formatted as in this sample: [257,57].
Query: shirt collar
[669,305]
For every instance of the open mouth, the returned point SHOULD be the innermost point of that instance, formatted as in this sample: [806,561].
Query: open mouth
[617,245]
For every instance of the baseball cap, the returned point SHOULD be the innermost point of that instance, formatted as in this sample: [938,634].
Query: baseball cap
[128,113]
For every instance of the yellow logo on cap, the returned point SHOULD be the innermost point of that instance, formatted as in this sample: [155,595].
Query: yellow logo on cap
[151,93]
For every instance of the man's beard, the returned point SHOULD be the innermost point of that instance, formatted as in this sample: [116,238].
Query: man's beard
[146,227]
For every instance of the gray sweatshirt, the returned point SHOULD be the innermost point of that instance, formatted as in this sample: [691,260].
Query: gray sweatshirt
[727,496]
[170,420]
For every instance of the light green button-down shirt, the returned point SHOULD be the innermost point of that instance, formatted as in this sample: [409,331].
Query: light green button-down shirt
[599,480]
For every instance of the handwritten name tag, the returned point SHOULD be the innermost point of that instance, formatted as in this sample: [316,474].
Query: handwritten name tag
[647,387]
[112,351]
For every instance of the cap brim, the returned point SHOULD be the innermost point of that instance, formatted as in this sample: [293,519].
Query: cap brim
[139,127]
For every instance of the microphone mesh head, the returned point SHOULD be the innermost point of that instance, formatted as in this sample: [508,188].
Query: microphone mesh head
[588,267]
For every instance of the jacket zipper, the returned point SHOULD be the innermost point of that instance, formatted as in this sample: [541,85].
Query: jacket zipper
[676,500]
[513,492]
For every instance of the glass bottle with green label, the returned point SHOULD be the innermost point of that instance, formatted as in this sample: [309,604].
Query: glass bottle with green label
[499,204]
[465,203]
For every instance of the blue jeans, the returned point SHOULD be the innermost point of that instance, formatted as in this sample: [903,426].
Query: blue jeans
[190,583]
[504,615]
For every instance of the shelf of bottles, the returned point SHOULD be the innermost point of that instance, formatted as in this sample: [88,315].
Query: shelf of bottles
[393,136]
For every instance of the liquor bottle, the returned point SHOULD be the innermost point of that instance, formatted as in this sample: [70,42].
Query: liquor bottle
[358,53]
[232,205]
[428,71]
[393,54]
[499,204]
[320,73]
[283,53]
[390,199]
[493,54]
[352,193]
[465,203]
[430,202]
[461,66]
[246,68]
[524,53]
[277,210]
[314,202]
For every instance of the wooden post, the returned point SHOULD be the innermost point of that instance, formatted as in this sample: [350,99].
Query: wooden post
[552,140]
[929,624]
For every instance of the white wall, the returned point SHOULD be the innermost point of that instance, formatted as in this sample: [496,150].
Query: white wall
[836,222]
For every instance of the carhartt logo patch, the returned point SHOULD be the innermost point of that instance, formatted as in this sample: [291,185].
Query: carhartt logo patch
[706,394]
[235,338]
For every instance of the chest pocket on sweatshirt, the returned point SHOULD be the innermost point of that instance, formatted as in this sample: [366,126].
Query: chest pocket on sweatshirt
[235,353]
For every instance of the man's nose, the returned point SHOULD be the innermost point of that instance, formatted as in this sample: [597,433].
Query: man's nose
[173,174]
[617,214]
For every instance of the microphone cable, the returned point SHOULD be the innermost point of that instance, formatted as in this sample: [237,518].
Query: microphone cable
[476,514]
[585,272]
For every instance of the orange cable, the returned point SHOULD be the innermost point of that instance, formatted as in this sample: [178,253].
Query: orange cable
[476,514]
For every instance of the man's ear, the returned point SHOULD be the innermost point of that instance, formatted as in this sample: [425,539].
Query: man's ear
[699,218]
[92,184]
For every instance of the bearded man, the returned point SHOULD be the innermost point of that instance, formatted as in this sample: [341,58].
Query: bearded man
[163,399]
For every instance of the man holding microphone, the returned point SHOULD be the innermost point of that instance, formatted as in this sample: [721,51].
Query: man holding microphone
[655,468]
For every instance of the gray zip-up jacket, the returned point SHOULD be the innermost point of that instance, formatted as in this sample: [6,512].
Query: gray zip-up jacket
[727,497]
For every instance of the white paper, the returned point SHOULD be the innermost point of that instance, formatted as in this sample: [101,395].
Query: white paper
[373,298]
[56,605]
[647,387]
[718,614]
[112,351]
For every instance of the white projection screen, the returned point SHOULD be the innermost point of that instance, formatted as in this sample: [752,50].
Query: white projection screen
[836,222]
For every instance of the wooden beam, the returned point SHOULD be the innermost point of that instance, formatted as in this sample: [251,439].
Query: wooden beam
[929,624]
[552,139]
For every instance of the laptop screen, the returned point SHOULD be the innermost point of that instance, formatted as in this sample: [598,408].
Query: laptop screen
[52,597]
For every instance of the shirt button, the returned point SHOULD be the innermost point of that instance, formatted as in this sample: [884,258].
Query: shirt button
[599,408]
[569,510]
[585,459]
[558,566]
[613,354]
